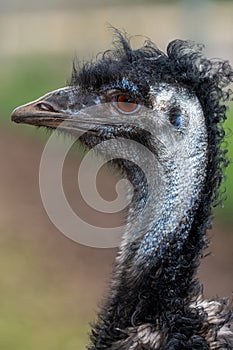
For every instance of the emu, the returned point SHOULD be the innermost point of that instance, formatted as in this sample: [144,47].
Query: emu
[174,105]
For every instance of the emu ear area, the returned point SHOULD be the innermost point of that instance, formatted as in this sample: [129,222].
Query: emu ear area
[206,78]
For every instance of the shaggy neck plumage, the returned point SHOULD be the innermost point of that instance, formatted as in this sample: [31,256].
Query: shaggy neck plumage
[154,274]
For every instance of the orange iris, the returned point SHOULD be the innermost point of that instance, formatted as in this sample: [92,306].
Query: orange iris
[126,104]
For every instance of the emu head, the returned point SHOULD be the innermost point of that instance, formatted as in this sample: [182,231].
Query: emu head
[168,103]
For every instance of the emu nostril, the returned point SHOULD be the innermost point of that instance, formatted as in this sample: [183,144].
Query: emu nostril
[44,106]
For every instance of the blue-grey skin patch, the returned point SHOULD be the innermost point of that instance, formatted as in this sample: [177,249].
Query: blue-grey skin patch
[178,121]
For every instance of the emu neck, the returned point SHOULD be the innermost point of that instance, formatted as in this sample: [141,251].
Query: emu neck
[154,273]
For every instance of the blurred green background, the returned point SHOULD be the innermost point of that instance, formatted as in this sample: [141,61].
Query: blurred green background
[49,285]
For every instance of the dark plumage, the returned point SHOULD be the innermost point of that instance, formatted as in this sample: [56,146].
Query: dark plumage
[178,104]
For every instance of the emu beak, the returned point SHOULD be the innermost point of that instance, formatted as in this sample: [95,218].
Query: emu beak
[49,110]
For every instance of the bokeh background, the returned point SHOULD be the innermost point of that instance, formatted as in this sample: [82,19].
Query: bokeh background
[50,287]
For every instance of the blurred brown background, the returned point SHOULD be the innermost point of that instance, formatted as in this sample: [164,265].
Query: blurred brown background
[50,287]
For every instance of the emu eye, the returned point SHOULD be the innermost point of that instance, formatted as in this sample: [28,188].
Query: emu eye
[125,104]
